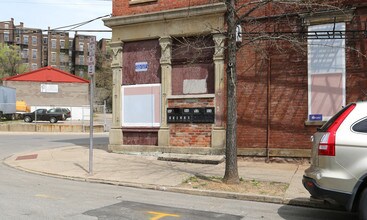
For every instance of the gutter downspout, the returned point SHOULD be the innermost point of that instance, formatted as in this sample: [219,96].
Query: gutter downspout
[268,111]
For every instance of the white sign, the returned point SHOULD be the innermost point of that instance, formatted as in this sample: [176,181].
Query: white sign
[91,69]
[91,60]
[92,49]
[141,66]
[49,88]
[91,57]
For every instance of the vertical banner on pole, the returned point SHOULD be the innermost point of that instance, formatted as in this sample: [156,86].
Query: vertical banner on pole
[91,71]
[92,56]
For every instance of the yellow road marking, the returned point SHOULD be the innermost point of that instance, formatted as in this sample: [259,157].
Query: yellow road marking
[159,215]
[44,196]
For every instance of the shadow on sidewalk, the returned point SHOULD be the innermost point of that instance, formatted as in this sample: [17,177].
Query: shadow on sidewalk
[100,143]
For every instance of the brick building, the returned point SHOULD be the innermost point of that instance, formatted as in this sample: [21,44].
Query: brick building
[296,66]
[28,39]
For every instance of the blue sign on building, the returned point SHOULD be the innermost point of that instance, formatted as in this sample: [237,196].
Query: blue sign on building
[141,66]
[315,117]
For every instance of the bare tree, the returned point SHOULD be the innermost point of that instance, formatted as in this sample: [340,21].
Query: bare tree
[231,171]
[267,25]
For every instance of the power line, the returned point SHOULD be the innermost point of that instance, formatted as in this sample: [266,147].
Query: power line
[71,28]
[96,2]
[30,31]
[81,23]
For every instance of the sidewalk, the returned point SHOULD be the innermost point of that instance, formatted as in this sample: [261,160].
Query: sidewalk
[148,172]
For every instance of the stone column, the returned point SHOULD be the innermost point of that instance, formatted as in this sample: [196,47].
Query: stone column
[219,132]
[116,136]
[165,61]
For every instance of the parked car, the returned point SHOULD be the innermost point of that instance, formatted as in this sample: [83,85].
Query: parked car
[43,115]
[65,111]
[338,171]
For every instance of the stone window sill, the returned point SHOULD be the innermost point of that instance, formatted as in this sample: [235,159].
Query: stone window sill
[314,123]
[201,96]
[139,129]
[134,2]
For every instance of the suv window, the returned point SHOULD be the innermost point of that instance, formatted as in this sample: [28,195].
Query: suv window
[360,126]
[51,110]
[39,111]
[326,126]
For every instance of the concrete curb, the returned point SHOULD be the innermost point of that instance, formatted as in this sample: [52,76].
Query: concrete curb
[306,202]
[43,127]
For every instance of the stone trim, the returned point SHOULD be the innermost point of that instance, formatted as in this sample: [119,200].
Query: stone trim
[249,152]
[314,123]
[219,41]
[115,136]
[274,152]
[166,46]
[165,149]
[116,48]
[140,129]
[203,96]
[324,17]
[135,2]
[166,15]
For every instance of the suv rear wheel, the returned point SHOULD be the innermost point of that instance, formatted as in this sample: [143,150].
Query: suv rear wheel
[362,208]
[53,120]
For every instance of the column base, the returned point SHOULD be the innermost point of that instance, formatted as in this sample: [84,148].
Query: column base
[218,138]
[163,136]
[115,136]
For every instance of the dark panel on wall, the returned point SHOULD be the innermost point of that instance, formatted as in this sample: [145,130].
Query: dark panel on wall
[192,50]
[192,65]
[140,138]
[141,62]
[192,72]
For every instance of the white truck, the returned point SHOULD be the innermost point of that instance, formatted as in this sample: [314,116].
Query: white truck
[8,103]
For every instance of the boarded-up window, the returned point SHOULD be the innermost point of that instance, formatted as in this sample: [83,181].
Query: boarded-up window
[141,61]
[192,65]
[326,70]
[141,105]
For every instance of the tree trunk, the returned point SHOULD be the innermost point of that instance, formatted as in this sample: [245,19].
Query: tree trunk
[231,171]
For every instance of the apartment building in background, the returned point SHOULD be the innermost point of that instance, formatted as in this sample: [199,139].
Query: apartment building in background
[28,40]
[40,48]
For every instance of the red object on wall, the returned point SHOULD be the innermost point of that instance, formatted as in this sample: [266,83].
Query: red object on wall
[47,74]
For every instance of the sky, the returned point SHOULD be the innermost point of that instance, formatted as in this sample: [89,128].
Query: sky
[58,13]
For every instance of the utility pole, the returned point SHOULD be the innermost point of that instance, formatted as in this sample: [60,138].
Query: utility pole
[231,170]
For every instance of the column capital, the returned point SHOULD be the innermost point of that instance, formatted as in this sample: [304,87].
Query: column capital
[116,48]
[219,40]
[166,46]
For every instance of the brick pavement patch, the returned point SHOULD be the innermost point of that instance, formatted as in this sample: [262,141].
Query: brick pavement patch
[27,157]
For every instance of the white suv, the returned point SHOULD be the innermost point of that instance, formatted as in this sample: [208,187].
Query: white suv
[338,171]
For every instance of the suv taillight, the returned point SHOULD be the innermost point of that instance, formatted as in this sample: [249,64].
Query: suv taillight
[327,143]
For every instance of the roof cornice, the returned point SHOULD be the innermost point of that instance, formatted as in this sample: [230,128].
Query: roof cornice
[166,15]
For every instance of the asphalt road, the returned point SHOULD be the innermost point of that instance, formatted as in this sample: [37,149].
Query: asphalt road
[30,196]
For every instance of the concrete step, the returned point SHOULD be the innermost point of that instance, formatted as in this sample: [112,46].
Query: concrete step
[192,158]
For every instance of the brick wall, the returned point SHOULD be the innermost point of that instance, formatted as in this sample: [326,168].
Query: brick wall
[123,7]
[286,63]
[190,135]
